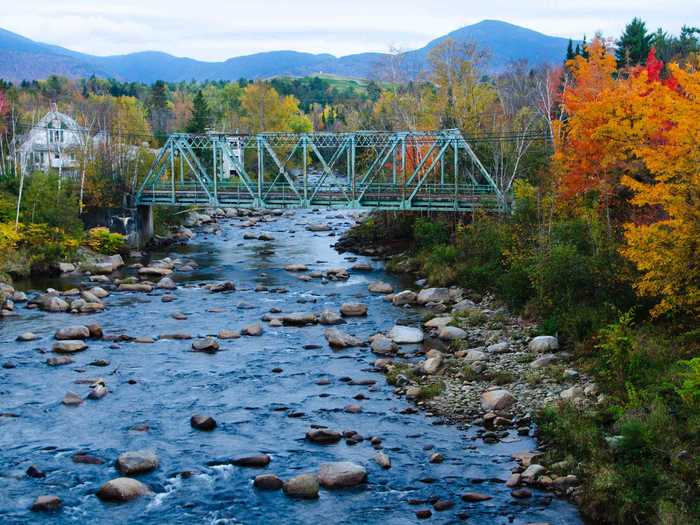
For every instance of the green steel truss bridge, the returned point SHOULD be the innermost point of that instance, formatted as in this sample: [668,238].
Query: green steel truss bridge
[365,169]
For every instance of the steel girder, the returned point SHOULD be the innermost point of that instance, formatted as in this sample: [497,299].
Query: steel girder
[384,170]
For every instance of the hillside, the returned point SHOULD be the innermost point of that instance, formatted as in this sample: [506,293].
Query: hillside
[25,59]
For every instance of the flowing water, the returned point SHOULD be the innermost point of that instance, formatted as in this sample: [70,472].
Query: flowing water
[250,403]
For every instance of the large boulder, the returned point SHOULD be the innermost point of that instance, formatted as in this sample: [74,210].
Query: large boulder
[69,347]
[543,344]
[267,482]
[323,436]
[51,303]
[452,333]
[48,503]
[137,462]
[341,474]
[382,345]
[433,295]
[406,335]
[438,322]
[72,332]
[122,489]
[304,486]
[339,339]
[498,399]
[431,365]
[380,287]
[166,283]
[318,227]
[329,317]
[353,309]
[205,344]
[404,298]
[544,361]
[204,423]
[299,319]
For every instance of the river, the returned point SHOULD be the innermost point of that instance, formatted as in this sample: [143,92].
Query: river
[164,383]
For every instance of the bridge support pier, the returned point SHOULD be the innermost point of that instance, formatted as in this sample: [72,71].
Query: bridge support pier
[144,225]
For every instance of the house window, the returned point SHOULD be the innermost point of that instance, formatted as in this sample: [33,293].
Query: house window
[55,135]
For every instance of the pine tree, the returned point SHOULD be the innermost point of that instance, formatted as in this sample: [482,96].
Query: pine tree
[634,44]
[201,117]
[578,50]
[158,109]
[584,49]
[570,51]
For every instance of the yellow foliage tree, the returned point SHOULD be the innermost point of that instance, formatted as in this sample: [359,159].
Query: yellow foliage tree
[265,110]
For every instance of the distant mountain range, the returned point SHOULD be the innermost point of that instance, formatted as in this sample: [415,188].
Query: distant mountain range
[25,59]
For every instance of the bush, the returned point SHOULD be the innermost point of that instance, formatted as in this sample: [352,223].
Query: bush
[427,233]
[103,241]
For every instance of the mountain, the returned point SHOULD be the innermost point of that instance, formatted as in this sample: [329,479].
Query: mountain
[25,59]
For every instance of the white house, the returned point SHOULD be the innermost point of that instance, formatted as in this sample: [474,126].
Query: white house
[53,142]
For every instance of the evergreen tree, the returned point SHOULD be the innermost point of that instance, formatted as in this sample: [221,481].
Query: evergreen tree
[201,117]
[584,48]
[578,50]
[158,109]
[570,51]
[634,44]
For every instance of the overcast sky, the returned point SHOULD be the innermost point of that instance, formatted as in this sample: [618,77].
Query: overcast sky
[220,29]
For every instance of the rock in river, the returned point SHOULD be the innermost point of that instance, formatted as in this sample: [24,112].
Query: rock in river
[72,399]
[69,347]
[433,295]
[252,330]
[382,345]
[122,489]
[380,287]
[205,423]
[27,336]
[299,319]
[338,339]
[341,474]
[137,462]
[304,486]
[72,332]
[258,461]
[323,436]
[353,309]
[46,503]
[206,344]
[406,335]
[328,317]
[382,460]
[543,344]
[268,482]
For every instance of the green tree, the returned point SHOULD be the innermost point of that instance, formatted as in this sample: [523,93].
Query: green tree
[634,44]
[158,110]
[201,116]
[570,50]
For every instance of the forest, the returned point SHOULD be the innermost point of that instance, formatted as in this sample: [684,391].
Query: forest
[602,155]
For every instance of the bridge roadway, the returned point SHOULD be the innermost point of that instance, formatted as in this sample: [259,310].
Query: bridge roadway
[380,170]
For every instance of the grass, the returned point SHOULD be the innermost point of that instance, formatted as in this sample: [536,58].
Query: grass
[432,390]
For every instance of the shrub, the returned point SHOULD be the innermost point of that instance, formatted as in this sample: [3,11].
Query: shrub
[427,233]
[103,241]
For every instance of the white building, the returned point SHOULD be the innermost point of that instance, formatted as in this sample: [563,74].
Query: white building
[53,142]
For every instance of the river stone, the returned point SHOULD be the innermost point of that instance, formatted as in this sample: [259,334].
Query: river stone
[226,286]
[65,267]
[298,319]
[206,344]
[382,345]
[268,482]
[533,472]
[404,298]
[89,297]
[304,486]
[464,305]
[257,461]
[498,348]
[438,322]
[137,462]
[433,295]
[296,268]
[337,274]
[339,339]
[98,390]
[361,267]
[322,227]
[406,334]
[499,399]
[95,331]
[166,283]
[72,399]
[204,423]
[452,333]
[380,287]
[323,436]
[98,292]
[47,503]
[51,303]
[341,474]
[432,364]
[544,361]
[58,361]
[572,394]
[253,330]
[122,489]
[27,336]
[229,334]
[353,309]
[328,317]
[135,287]
[69,347]
[34,472]
[382,460]
[155,270]
[472,356]
[543,344]
[475,497]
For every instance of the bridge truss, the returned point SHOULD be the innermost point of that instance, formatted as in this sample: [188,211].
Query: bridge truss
[364,169]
